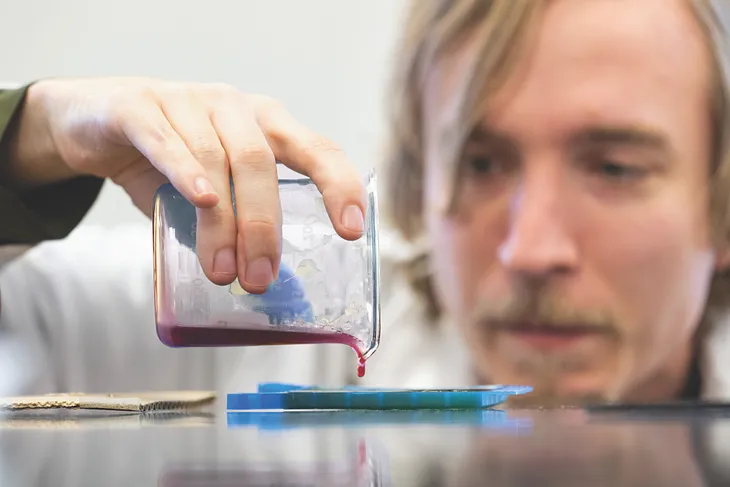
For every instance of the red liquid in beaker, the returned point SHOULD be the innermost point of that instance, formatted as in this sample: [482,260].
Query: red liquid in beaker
[209,336]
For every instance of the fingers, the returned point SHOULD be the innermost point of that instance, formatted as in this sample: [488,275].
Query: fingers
[200,138]
[216,225]
[308,153]
[149,130]
[255,180]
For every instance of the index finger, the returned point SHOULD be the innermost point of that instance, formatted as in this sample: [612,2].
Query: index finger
[306,152]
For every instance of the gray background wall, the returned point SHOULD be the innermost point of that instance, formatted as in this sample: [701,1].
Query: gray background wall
[328,60]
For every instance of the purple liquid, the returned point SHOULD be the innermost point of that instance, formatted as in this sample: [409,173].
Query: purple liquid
[209,336]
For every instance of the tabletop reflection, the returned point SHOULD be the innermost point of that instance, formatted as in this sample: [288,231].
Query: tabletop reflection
[515,448]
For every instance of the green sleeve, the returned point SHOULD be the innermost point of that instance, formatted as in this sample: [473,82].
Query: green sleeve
[46,213]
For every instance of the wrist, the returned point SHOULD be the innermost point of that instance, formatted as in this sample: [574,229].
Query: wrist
[32,156]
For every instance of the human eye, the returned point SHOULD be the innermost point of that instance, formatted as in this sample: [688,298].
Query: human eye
[485,165]
[617,172]
[482,164]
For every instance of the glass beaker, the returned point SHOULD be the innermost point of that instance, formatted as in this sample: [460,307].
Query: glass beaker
[327,290]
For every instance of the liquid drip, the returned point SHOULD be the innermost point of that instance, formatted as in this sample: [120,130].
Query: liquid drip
[197,336]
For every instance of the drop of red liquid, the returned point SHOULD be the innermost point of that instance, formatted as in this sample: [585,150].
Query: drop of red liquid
[174,335]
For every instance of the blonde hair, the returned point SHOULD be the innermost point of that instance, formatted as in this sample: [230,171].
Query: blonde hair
[500,27]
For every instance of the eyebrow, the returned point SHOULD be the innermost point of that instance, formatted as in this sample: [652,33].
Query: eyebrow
[625,136]
[630,136]
[484,135]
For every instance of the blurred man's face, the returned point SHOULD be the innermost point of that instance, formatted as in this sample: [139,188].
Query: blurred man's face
[566,454]
[578,256]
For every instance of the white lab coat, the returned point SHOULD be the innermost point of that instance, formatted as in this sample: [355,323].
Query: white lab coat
[77,315]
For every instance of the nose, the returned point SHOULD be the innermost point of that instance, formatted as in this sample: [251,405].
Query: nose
[538,242]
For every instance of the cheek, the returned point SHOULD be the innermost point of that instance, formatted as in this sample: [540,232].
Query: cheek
[463,254]
[657,265]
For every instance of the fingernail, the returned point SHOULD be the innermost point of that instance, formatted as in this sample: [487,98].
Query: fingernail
[224,262]
[352,219]
[203,186]
[259,272]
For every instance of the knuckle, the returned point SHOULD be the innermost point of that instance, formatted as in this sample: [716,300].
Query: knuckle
[163,137]
[208,151]
[85,159]
[267,103]
[312,146]
[255,157]
[278,136]
[173,89]
[222,90]
[318,144]
[335,189]
[219,217]
[260,224]
[320,152]
[338,185]
[186,94]
[160,146]
[127,110]
[143,92]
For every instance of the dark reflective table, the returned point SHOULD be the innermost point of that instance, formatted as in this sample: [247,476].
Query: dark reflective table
[564,447]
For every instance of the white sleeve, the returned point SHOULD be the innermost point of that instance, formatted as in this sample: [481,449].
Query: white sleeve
[78,315]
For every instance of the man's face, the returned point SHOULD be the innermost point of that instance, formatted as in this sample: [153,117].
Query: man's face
[568,452]
[577,257]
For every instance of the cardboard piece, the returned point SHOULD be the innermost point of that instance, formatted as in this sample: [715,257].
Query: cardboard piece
[131,401]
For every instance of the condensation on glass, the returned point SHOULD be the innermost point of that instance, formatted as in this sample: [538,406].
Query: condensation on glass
[327,290]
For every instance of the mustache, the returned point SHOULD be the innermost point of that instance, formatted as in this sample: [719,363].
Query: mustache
[526,308]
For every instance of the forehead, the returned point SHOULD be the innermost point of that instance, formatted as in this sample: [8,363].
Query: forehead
[589,61]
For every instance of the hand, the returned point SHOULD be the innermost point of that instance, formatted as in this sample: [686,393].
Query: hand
[142,133]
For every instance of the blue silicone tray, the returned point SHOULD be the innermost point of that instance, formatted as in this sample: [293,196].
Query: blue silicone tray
[276,396]
[288,420]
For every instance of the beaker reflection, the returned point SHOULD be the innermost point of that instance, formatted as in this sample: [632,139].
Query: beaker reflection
[360,466]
